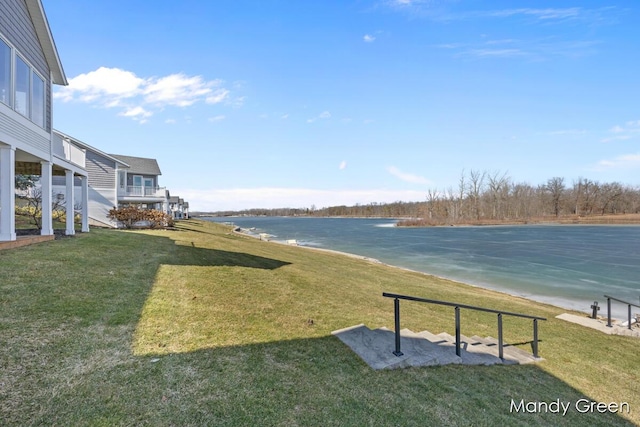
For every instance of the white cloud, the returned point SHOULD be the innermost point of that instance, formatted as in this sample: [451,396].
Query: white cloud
[137,113]
[217,118]
[108,85]
[343,165]
[407,177]
[495,53]
[631,129]
[626,161]
[177,89]
[322,116]
[406,3]
[211,200]
[368,38]
[137,96]
[217,96]
[542,14]
[238,101]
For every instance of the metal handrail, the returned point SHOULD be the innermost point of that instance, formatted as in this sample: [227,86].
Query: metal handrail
[457,306]
[629,304]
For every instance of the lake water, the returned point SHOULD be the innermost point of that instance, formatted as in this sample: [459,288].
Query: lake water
[566,265]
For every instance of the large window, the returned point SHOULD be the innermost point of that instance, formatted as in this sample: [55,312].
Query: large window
[5,73]
[23,74]
[20,86]
[37,100]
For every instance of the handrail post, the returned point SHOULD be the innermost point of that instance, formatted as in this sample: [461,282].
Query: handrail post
[500,342]
[608,312]
[396,313]
[629,316]
[535,338]
[458,331]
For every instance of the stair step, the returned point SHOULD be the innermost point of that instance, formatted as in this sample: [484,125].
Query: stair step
[471,351]
[376,348]
[512,353]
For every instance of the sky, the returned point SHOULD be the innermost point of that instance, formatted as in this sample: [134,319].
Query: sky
[282,103]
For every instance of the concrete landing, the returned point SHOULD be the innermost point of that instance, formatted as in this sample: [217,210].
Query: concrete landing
[376,347]
[601,325]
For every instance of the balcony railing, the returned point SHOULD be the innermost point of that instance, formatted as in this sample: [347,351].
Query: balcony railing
[66,150]
[141,191]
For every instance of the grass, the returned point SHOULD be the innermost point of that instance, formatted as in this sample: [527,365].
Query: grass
[203,327]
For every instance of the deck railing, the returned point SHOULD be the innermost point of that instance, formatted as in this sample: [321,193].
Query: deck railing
[396,305]
[142,191]
[624,302]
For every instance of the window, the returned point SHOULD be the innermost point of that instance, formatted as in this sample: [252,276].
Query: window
[37,100]
[23,72]
[5,73]
[21,87]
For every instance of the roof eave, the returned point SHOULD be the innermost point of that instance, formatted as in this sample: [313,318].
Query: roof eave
[41,25]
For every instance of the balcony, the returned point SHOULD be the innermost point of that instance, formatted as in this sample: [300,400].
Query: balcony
[66,150]
[140,191]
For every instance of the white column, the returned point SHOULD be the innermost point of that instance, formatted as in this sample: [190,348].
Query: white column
[7,193]
[85,204]
[46,182]
[69,201]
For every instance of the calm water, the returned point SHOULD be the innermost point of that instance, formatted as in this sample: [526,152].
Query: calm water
[570,266]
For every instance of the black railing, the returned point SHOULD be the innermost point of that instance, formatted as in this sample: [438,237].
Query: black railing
[624,302]
[396,305]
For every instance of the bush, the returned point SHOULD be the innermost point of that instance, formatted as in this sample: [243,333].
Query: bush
[132,216]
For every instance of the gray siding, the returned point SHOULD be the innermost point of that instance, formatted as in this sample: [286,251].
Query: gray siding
[61,181]
[101,171]
[100,203]
[22,133]
[16,27]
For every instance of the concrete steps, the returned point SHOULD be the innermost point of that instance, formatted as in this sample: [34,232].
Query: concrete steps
[423,348]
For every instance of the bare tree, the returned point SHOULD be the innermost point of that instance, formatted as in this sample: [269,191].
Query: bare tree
[555,187]
[31,206]
[475,188]
[498,184]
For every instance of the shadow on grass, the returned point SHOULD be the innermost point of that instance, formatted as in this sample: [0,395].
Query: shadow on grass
[191,255]
[319,381]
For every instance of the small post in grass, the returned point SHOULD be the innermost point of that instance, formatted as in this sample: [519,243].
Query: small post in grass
[535,338]
[500,344]
[396,313]
[457,331]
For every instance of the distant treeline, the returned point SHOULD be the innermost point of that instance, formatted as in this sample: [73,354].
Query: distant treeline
[489,197]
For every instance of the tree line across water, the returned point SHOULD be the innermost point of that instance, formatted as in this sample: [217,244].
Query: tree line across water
[484,198]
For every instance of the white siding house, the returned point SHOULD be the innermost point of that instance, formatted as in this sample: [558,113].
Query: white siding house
[29,65]
[115,181]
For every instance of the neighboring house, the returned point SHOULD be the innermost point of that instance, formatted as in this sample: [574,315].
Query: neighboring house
[102,170]
[138,183]
[29,65]
[179,209]
[185,210]
[116,181]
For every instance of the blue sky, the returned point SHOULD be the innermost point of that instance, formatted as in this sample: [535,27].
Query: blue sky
[278,103]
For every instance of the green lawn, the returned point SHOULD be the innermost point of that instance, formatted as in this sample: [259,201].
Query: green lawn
[200,326]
